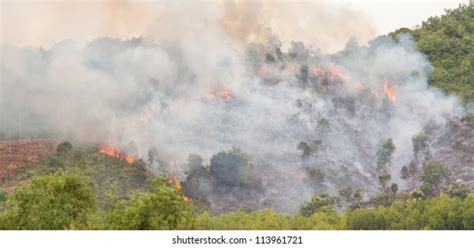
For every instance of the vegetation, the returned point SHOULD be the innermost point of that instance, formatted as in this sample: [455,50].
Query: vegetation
[59,201]
[164,208]
[448,41]
[66,192]
[83,189]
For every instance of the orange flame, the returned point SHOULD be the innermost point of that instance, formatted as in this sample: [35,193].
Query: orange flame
[177,184]
[389,91]
[336,73]
[225,93]
[112,152]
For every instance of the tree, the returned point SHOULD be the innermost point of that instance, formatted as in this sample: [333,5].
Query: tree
[434,175]
[444,213]
[163,209]
[384,154]
[459,189]
[467,209]
[322,202]
[384,178]
[227,168]
[421,150]
[365,219]
[59,201]
[421,153]
[64,148]
[351,196]
[448,43]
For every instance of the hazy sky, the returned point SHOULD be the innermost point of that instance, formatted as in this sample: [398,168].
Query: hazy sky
[45,23]
[389,15]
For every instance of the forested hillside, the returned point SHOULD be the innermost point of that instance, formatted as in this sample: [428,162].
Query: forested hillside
[448,41]
[351,140]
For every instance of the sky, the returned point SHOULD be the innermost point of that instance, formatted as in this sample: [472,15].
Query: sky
[45,23]
[391,15]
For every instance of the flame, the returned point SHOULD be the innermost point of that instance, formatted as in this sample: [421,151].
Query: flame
[177,184]
[389,91]
[225,93]
[336,73]
[113,152]
[318,71]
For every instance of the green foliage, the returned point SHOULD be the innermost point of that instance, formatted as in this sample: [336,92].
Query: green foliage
[90,191]
[269,220]
[439,213]
[384,178]
[322,202]
[448,41]
[162,209]
[467,210]
[420,146]
[458,189]
[412,214]
[409,171]
[366,219]
[385,154]
[227,168]
[3,196]
[59,201]
[351,196]
[66,201]
[443,213]
[434,176]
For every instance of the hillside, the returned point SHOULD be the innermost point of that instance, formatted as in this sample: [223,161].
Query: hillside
[242,137]
[17,157]
[113,178]
[448,41]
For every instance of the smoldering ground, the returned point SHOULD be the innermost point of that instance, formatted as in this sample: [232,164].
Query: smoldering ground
[209,83]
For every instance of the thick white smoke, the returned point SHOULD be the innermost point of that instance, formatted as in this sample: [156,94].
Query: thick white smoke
[201,91]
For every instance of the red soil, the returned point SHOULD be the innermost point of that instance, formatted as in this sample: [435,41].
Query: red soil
[17,155]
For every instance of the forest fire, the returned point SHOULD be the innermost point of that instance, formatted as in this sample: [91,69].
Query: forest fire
[389,91]
[336,73]
[113,152]
[177,184]
[225,93]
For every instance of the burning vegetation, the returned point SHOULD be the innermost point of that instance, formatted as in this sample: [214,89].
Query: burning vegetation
[245,126]
[113,152]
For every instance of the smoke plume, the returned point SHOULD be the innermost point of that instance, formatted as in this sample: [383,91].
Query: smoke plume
[213,77]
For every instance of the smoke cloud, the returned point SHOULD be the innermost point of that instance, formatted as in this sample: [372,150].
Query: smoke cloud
[214,77]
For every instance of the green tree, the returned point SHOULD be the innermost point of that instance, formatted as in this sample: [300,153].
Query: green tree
[444,213]
[448,41]
[384,154]
[366,219]
[322,202]
[467,209]
[59,201]
[162,209]
[433,177]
